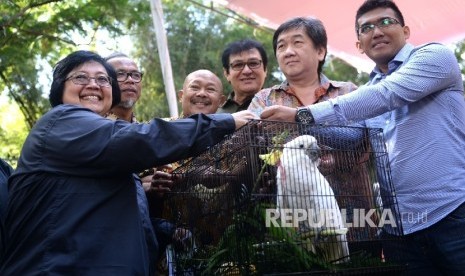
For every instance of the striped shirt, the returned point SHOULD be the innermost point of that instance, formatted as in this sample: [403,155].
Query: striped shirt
[420,106]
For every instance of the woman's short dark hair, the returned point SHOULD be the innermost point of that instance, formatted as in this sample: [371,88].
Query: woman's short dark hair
[314,29]
[73,60]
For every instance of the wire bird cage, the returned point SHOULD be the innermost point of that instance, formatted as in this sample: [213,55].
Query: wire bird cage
[280,198]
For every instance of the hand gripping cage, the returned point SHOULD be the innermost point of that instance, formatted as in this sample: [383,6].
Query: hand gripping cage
[279,198]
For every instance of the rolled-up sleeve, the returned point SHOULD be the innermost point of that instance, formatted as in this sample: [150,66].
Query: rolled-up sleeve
[429,69]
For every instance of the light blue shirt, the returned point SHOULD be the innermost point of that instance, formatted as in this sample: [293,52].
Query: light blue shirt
[420,106]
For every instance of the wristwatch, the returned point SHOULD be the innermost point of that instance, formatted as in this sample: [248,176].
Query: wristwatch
[304,116]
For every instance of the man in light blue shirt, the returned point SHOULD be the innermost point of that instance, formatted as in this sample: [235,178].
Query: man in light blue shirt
[415,94]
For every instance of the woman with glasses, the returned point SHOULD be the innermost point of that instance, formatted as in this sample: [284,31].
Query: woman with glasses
[72,208]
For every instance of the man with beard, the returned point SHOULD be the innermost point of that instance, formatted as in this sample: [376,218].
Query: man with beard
[129,79]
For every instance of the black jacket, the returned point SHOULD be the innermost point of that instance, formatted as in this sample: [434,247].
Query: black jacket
[73,208]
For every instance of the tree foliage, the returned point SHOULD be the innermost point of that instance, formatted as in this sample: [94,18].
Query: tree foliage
[12,132]
[46,30]
[196,35]
[460,54]
[37,33]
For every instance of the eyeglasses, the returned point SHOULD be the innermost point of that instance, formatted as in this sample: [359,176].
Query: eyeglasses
[123,76]
[85,80]
[382,23]
[252,64]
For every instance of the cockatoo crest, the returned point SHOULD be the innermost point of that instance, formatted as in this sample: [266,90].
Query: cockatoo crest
[308,144]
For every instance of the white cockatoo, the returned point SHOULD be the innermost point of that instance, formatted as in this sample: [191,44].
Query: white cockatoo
[301,187]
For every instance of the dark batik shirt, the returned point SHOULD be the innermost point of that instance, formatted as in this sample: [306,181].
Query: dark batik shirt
[231,106]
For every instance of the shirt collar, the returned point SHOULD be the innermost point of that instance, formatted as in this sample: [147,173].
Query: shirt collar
[112,116]
[230,100]
[325,86]
[231,95]
[401,56]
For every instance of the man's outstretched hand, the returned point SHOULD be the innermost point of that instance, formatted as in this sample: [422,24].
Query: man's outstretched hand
[279,113]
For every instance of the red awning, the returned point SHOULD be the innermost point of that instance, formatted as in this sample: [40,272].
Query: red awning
[429,20]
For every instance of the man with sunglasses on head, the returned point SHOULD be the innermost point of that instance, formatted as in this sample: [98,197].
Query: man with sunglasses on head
[244,66]
[415,94]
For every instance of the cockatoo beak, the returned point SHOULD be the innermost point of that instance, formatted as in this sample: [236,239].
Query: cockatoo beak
[313,152]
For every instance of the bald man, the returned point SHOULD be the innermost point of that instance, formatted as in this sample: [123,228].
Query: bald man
[202,92]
